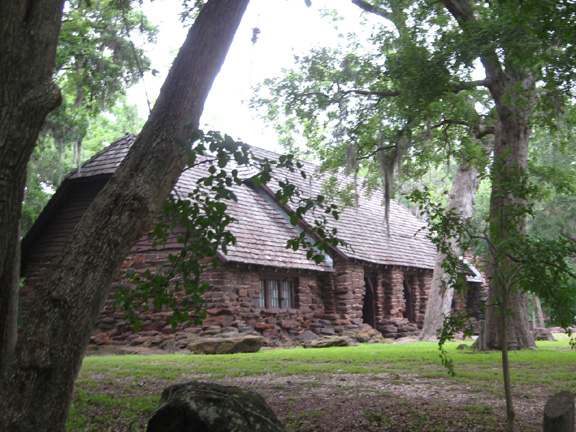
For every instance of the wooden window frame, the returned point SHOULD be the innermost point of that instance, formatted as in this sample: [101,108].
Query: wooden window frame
[265,288]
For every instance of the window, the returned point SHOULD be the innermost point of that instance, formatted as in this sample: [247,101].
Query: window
[274,293]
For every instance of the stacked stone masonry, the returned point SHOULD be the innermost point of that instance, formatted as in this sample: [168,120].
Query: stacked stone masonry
[325,303]
[382,282]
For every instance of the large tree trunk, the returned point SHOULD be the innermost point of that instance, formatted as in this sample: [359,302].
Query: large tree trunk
[29,31]
[36,389]
[518,325]
[539,322]
[513,92]
[464,187]
[507,220]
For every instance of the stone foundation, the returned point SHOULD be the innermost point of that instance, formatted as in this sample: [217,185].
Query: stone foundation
[326,303]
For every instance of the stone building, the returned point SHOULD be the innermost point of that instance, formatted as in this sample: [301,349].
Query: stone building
[382,279]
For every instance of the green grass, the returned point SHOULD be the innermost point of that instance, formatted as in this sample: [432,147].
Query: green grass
[124,389]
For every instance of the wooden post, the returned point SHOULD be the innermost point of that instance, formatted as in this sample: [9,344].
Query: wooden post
[559,413]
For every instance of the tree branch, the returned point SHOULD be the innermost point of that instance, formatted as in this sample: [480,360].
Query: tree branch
[470,85]
[378,150]
[479,133]
[365,6]
[381,95]
[450,122]
[463,12]
[371,93]
[396,17]
[483,132]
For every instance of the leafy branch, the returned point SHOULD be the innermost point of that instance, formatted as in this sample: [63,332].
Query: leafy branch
[193,229]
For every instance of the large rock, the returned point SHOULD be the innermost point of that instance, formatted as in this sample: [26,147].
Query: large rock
[100,339]
[332,341]
[227,345]
[369,335]
[543,334]
[307,335]
[205,407]
[389,331]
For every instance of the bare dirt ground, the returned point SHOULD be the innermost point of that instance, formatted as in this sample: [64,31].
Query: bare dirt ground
[387,402]
[379,402]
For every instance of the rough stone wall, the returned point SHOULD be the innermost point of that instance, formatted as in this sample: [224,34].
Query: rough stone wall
[230,306]
[476,299]
[112,326]
[349,291]
[425,278]
[394,304]
[326,304]
[392,309]
[472,303]
[421,284]
[381,300]
[391,304]
[231,303]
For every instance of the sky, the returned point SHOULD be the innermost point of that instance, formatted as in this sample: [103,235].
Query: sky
[287,28]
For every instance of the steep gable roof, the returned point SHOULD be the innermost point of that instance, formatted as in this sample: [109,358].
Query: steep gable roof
[106,161]
[261,232]
[364,227]
[262,228]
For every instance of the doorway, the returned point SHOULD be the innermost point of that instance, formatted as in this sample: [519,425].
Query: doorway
[369,306]
[409,302]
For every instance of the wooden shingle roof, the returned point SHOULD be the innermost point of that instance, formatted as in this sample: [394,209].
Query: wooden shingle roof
[364,227]
[105,162]
[261,229]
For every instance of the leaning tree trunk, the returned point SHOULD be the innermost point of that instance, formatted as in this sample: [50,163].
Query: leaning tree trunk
[37,387]
[464,187]
[29,31]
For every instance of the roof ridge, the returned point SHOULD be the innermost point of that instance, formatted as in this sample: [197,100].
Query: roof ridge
[361,226]
[122,143]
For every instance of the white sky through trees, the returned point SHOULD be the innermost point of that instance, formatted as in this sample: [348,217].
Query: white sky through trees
[287,28]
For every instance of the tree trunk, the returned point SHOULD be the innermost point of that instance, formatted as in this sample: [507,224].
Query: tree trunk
[510,413]
[507,219]
[559,413]
[37,387]
[29,31]
[513,92]
[60,143]
[539,322]
[464,187]
[518,327]
[78,148]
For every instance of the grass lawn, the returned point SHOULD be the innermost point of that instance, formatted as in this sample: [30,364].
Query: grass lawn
[390,387]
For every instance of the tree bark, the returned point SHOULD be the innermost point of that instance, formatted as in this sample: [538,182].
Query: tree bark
[36,388]
[507,220]
[539,322]
[512,90]
[29,31]
[464,187]
[559,413]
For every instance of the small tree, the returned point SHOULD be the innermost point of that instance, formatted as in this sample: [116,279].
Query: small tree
[522,264]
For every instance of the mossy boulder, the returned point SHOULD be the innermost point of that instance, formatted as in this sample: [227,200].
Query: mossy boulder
[207,407]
